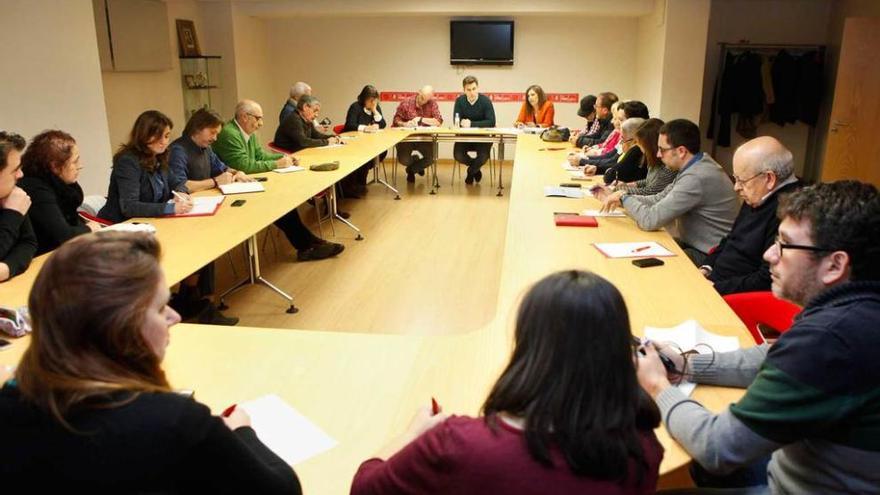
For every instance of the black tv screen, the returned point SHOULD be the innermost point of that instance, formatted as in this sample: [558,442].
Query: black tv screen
[481,42]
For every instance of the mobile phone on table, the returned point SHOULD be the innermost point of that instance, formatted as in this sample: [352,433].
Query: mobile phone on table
[4,344]
[261,179]
[570,184]
[647,262]
[239,202]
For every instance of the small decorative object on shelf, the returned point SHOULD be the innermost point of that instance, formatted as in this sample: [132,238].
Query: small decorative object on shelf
[200,79]
[186,38]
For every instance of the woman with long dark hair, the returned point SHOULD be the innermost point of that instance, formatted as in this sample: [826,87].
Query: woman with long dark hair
[90,407]
[142,185]
[51,166]
[567,414]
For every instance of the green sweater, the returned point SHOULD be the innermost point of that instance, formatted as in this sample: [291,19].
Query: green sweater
[481,113]
[249,157]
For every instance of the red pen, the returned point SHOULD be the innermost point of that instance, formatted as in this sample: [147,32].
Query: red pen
[641,248]
[228,411]
[435,408]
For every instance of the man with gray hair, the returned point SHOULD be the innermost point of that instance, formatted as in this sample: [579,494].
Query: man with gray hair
[297,91]
[297,131]
[763,170]
[420,110]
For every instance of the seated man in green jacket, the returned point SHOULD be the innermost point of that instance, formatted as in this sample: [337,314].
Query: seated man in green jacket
[238,147]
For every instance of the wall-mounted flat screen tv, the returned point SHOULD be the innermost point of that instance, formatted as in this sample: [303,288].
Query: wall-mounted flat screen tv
[481,42]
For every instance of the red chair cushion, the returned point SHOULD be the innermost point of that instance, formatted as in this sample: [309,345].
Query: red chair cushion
[755,308]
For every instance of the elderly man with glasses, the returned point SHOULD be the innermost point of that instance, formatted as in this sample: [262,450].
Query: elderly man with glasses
[763,170]
[812,403]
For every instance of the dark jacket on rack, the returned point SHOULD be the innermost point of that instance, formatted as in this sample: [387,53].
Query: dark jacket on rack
[785,79]
[740,91]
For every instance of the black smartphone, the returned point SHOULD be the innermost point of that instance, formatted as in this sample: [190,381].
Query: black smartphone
[261,179]
[239,202]
[4,344]
[647,262]
[570,184]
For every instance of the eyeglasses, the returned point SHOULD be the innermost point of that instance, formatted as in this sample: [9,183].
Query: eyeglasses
[737,180]
[816,249]
[256,117]
[664,150]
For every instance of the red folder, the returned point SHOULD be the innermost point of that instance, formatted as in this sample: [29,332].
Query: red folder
[575,221]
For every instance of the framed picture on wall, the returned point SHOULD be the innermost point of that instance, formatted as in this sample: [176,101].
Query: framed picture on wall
[186,38]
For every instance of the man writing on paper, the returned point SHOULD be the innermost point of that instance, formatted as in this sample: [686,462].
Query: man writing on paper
[813,397]
[763,170]
[297,131]
[419,111]
[238,146]
[700,204]
[194,162]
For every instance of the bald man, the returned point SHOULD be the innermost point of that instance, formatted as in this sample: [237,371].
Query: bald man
[238,147]
[763,170]
[420,110]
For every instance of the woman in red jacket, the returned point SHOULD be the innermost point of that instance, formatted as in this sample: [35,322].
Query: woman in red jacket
[537,110]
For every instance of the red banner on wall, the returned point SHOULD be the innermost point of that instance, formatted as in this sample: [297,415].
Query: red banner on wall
[495,97]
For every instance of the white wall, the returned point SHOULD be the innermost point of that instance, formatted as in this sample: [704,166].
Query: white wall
[762,21]
[52,79]
[651,42]
[339,55]
[684,58]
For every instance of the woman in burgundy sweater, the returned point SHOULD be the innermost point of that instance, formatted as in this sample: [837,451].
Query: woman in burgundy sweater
[566,416]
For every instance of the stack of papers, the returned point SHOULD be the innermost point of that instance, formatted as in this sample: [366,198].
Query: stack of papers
[566,192]
[632,249]
[241,187]
[130,227]
[287,170]
[202,206]
[686,336]
[285,431]
[571,168]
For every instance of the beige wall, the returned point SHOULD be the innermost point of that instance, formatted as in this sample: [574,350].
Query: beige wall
[562,54]
[253,65]
[683,59]
[52,79]
[650,51]
[762,21]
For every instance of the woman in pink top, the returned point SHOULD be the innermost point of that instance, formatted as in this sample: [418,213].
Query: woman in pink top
[566,416]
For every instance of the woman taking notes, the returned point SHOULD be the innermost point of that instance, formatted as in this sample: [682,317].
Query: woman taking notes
[141,184]
[90,406]
[566,416]
[537,110]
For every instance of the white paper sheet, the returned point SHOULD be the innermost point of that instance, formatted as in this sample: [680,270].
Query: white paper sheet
[287,170]
[566,192]
[241,187]
[202,205]
[597,213]
[686,336]
[632,249]
[285,431]
[571,168]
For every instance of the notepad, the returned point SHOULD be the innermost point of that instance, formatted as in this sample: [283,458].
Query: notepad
[597,213]
[571,168]
[283,429]
[131,227]
[565,192]
[632,249]
[579,175]
[287,170]
[241,187]
[686,336]
[202,206]
[564,220]
[336,145]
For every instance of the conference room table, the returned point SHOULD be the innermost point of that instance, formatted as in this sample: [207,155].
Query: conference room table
[363,389]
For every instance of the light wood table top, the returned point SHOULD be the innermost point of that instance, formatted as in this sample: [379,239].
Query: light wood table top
[363,388]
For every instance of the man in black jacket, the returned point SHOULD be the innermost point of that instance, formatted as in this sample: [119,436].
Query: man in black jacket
[763,170]
[297,131]
[18,243]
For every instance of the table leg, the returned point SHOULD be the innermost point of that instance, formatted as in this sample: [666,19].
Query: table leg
[378,180]
[254,277]
[335,212]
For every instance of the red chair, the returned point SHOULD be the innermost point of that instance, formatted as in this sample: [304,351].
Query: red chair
[337,129]
[762,308]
